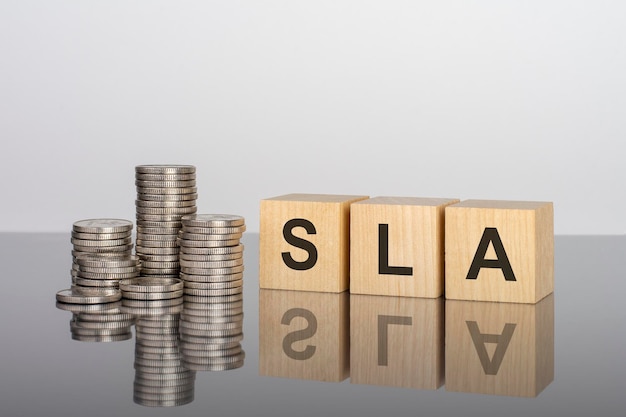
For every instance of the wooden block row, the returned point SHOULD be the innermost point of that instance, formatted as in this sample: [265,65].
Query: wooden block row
[489,348]
[407,246]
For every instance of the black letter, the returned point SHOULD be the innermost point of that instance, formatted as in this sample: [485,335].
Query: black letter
[299,243]
[492,366]
[502,262]
[383,255]
[383,322]
[298,335]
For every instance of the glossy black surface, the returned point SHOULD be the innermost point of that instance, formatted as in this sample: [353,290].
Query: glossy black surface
[43,372]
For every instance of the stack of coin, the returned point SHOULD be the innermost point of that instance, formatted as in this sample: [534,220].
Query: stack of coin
[211,330]
[107,325]
[151,288]
[161,380]
[165,193]
[98,271]
[99,238]
[211,260]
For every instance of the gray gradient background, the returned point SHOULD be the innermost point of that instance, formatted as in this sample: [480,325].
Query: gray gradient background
[44,373]
[517,100]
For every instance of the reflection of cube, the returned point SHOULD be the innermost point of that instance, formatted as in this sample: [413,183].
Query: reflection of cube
[305,242]
[499,348]
[499,251]
[397,246]
[396,341]
[304,335]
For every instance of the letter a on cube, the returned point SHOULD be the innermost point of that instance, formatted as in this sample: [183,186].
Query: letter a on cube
[499,251]
[305,242]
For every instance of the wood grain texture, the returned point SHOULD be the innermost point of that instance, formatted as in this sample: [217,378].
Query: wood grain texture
[526,230]
[330,215]
[322,354]
[397,341]
[415,240]
[526,364]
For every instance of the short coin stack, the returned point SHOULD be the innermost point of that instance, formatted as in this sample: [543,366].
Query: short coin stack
[165,193]
[161,380]
[99,241]
[211,259]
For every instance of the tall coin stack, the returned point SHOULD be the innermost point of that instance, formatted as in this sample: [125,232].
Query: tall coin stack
[165,193]
[211,259]
[102,250]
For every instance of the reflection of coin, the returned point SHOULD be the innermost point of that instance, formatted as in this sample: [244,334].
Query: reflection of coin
[211,278]
[213,292]
[153,295]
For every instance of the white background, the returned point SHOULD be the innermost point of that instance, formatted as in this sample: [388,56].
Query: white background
[512,100]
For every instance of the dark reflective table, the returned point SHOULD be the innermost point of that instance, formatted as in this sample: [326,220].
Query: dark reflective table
[312,354]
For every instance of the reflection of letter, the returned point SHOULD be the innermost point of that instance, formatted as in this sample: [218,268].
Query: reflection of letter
[383,342]
[502,262]
[383,255]
[298,335]
[492,366]
[299,243]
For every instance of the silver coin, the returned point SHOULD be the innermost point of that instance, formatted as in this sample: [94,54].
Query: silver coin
[102,226]
[202,315]
[211,271]
[160,331]
[151,304]
[165,210]
[151,224]
[207,243]
[103,338]
[155,383]
[165,184]
[161,397]
[88,308]
[110,270]
[104,324]
[102,255]
[100,236]
[101,243]
[89,295]
[224,250]
[211,265]
[103,283]
[124,249]
[159,231]
[162,272]
[152,295]
[171,321]
[106,275]
[228,316]
[164,191]
[210,278]
[212,285]
[146,259]
[161,264]
[142,250]
[157,342]
[163,390]
[211,326]
[238,357]
[213,220]
[163,403]
[77,329]
[210,300]
[144,237]
[168,197]
[202,237]
[96,261]
[165,169]
[156,353]
[158,217]
[147,284]
[210,258]
[213,292]
[165,204]
[157,243]
[212,353]
[165,177]
[143,376]
[203,308]
[213,340]
[215,230]
[151,312]
[117,315]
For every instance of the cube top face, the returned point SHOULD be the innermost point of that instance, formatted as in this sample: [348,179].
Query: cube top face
[397,246]
[409,201]
[304,242]
[499,251]
[317,198]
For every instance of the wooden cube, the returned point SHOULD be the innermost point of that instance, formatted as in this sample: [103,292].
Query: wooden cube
[499,250]
[397,341]
[397,246]
[499,348]
[304,335]
[304,242]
